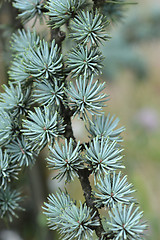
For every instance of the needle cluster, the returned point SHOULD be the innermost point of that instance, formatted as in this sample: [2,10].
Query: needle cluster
[49,86]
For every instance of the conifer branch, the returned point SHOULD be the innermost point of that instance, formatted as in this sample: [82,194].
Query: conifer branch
[25,131]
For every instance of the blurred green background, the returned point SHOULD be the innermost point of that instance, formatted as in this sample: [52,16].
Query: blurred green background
[132,75]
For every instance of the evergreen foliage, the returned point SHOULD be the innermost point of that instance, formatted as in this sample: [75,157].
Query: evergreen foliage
[126,222]
[15,99]
[42,126]
[71,221]
[86,96]
[61,11]
[84,61]
[37,62]
[89,27]
[22,41]
[8,169]
[101,126]
[21,151]
[113,189]
[49,92]
[17,71]
[9,203]
[7,130]
[103,156]
[43,62]
[29,9]
[41,75]
[66,159]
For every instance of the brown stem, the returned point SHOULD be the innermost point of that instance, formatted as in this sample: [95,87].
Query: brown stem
[58,35]
[67,113]
[84,180]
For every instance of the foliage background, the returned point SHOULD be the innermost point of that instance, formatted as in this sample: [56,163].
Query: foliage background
[134,97]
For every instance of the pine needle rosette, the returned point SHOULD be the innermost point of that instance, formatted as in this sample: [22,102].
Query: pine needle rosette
[86,96]
[84,60]
[38,62]
[21,152]
[66,159]
[42,126]
[48,93]
[7,128]
[89,27]
[17,71]
[71,221]
[55,207]
[61,11]
[9,203]
[125,222]
[113,189]
[15,99]
[30,9]
[105,126]
[23,40]
[78,223]
[8,169]
[43,61]
[103,156]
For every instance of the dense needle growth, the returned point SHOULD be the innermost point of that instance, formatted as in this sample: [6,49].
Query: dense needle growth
[46,90]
